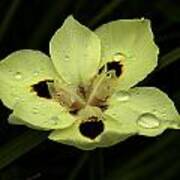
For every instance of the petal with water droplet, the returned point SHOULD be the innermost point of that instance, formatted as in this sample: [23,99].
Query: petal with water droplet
[19,71]
[131,42]
[100,133]
[75,52]
[148,120]
[148,111]
[41,113]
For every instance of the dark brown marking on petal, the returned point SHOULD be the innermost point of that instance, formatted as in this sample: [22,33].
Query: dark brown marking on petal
[74,111]
[75,107]
[116,66]
[91,128]
[41,88]
[82,91]
[101,69]
[113,65]
[100,103]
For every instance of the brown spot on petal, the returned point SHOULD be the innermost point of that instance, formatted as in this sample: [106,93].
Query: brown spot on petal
[116,66]
[41,88]
[113,65]
[91,128]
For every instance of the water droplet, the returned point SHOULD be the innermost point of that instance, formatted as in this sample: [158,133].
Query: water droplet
[114,115]
[66,58]
[17,99]
[36,73]
[118,57]
[148,120]
[18,75]
[10,71]
[54,120]
[35,110]
[123,96]
[163,114]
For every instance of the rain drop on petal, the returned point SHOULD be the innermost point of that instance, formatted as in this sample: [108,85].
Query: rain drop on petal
[123,96]
[18,75]
[148,121]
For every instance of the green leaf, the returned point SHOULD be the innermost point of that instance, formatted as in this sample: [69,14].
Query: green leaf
[19,146]
[129,42]
[75,52]
[145,111]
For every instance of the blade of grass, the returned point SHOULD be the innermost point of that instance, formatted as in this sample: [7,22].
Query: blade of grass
[55,11]
[164,62]
[19,146]
[171,172]
[99,164]
[78,166]
[92,173]
[105,11]
[79,5]
[169,58]
[142,156]
[144,170]
[10,13]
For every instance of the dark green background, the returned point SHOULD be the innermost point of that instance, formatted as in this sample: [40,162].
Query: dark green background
[27,155]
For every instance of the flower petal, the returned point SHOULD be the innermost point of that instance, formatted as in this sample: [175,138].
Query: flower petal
[146,111]
[90,130]
[72,136]
[41,113]
[75,52]
[17,121]
[131,43]
[19,71]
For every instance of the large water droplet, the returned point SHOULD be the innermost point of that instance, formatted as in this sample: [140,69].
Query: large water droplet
[118,57]
[123,96]
[54,120]
[18,75]
[148,120]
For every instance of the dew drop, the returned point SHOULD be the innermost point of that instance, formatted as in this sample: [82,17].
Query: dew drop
[18,75]
[35,110]
[54,120]
[66,58]
[118,57]
[148,120]
[36,73]
[123,96]
[17,99]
